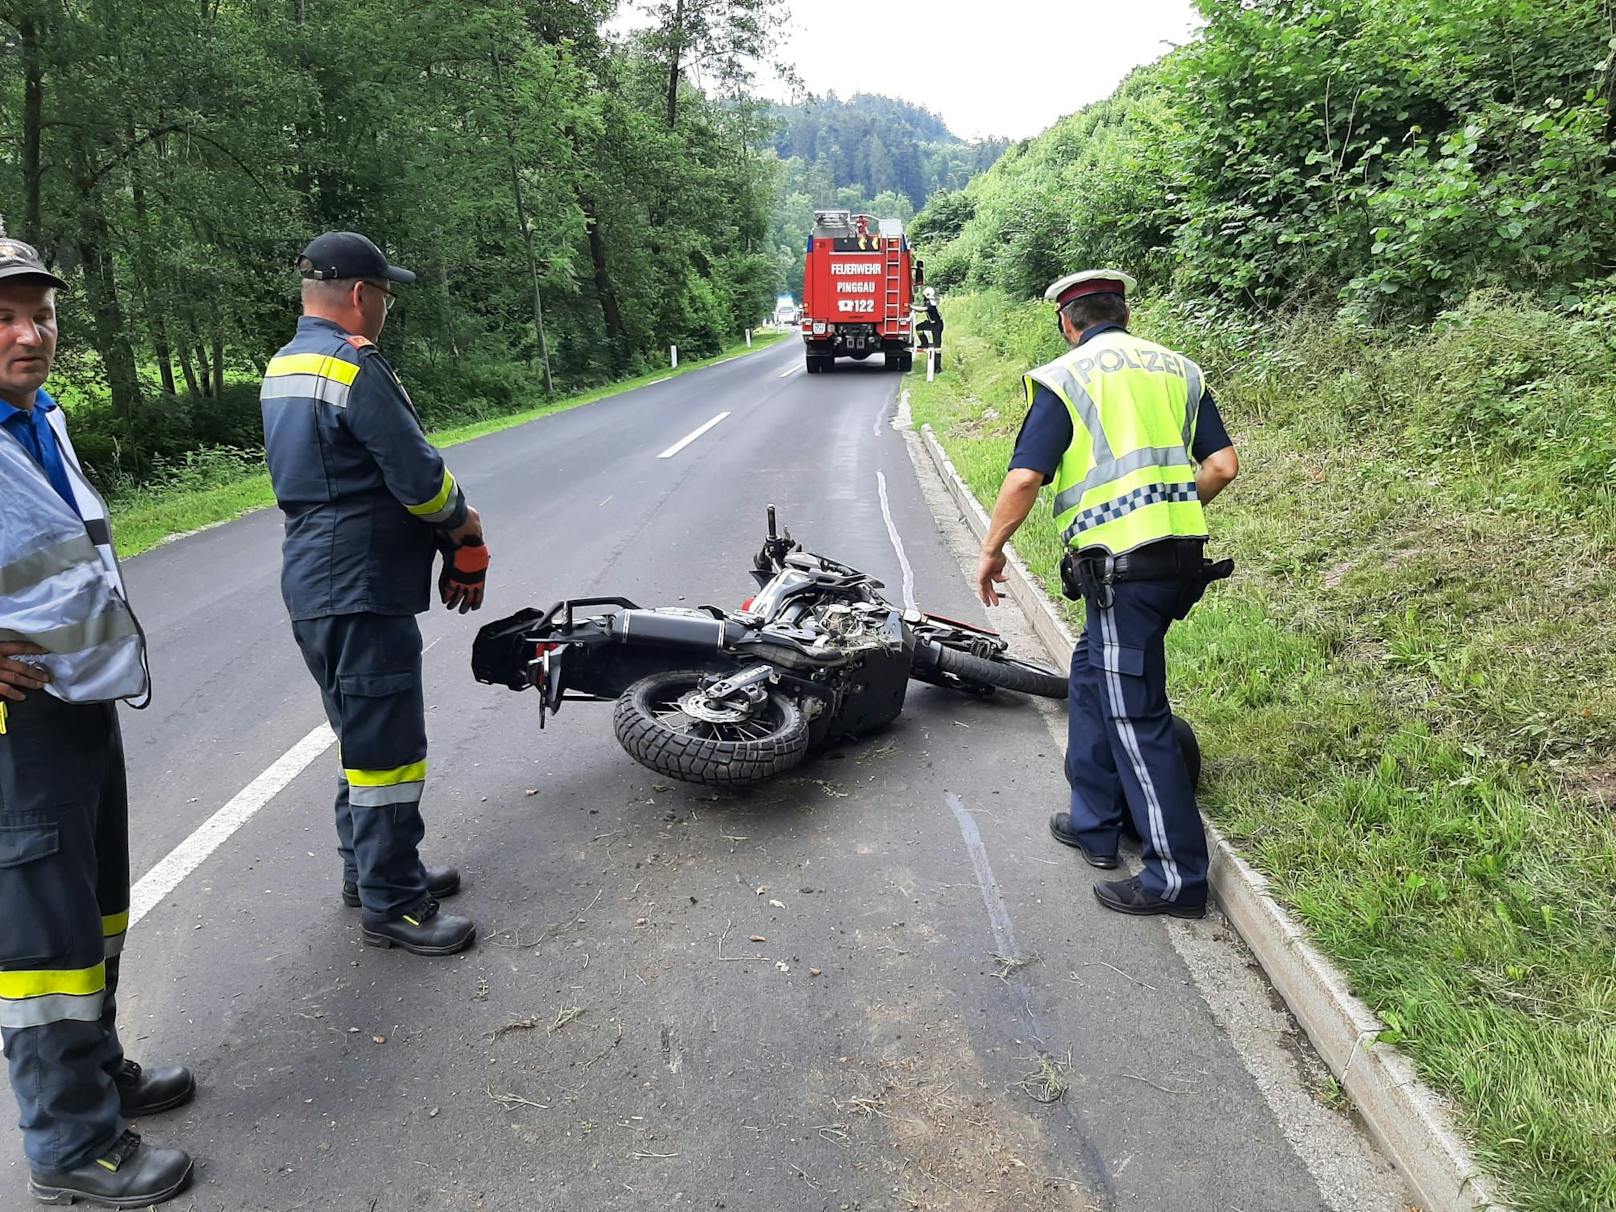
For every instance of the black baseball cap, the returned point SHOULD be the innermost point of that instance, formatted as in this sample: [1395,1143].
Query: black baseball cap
[19,260]
[347,254]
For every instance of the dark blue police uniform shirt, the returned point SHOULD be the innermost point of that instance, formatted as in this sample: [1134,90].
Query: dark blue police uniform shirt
[37,437]
[1047,432]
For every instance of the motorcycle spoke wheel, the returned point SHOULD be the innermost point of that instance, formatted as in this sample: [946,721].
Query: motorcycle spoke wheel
[655,725]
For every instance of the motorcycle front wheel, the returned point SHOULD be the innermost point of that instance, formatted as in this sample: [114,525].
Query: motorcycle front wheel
[656,729]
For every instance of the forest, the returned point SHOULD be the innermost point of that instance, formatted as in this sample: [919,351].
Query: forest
[571,199]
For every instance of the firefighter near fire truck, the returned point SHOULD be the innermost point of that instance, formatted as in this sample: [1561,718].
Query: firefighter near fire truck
[857,292]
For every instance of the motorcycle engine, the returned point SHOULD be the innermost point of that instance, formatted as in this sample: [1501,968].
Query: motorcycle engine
[859,625]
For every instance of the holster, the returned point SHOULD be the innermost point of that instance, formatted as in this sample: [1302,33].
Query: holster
[1093,575]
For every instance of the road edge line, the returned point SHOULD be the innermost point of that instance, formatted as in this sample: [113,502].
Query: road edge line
[1410,1123]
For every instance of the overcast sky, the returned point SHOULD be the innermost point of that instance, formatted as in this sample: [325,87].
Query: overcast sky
[991,67]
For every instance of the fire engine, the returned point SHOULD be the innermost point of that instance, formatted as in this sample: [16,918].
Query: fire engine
[857,288]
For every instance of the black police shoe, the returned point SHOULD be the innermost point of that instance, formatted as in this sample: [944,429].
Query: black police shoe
[128,1175]
[1127,896]
[144,1092]
[441,882]
[423,931]
[1060,826]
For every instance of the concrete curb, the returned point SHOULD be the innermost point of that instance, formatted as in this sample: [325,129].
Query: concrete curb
[1408,1121]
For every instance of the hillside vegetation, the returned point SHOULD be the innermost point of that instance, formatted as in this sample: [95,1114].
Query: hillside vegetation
[1386,230]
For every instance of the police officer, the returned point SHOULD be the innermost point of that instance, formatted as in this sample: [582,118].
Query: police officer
[368,501]
[1133,442]
[69,649]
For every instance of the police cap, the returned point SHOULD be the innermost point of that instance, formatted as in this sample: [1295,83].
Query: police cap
[19,260]
[347,254]
[1089,282]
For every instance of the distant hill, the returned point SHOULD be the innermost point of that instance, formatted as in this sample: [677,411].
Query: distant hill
[877,145]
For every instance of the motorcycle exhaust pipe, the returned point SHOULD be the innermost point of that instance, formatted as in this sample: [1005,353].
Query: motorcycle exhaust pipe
[678,630]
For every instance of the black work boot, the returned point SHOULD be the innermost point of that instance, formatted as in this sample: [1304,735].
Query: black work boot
[423,931]
[1128,896]
[441,883]
[128,1175]
[1060,826]
[144,1092]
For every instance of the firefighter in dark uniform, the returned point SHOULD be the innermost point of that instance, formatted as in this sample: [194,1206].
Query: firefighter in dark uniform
[368,503]
[69,650]
[1134,445]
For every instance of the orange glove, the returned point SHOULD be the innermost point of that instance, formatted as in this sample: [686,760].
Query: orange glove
[465,569]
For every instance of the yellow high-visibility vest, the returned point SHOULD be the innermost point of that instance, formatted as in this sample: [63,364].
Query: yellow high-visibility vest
[1128,478]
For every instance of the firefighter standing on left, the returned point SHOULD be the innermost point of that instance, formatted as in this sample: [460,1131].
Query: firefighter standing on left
[368,503]
[69,650]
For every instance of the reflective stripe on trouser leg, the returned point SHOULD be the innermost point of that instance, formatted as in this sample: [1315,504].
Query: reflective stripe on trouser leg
[1091,770]
[1130,745]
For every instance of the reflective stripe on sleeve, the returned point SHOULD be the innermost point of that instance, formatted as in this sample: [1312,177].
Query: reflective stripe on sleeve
[441,507]
[305,387]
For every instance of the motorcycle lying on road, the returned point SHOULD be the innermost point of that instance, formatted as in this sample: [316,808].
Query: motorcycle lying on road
[732,697]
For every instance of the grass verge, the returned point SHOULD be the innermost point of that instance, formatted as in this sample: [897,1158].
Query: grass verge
[1408,693]
[217,485]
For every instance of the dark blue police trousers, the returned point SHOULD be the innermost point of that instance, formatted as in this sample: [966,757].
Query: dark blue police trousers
[368,667]
[1120,751]
[64,905]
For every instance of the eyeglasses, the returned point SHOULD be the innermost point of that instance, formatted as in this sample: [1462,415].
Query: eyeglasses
[391,298]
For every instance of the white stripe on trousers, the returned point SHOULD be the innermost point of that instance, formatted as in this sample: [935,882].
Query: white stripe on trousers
[1130,743]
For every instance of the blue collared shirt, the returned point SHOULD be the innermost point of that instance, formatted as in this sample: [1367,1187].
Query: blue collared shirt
[32,429]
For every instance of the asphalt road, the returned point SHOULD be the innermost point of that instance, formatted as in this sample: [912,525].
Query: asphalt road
[616,1040]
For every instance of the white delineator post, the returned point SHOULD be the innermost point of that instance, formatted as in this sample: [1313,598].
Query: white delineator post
[673,356]
[931,364]
[749,338]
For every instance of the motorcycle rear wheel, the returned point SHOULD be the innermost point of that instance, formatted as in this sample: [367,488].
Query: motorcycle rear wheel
[658,734]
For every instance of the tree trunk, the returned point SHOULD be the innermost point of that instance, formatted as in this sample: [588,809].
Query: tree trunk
[218,362]
[33,97]
[527,243]
[603,285]
[145,277]
[206,368]
[533,272]
[101,291]
[189,371]
[676,51]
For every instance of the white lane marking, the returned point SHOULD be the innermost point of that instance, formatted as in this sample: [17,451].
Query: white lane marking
[992,897]
[789,371]
[897,543]
[214,832]
[217,829]
[664,379]
[690,437]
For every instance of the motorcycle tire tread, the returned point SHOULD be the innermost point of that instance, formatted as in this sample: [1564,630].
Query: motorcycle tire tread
[714,763]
